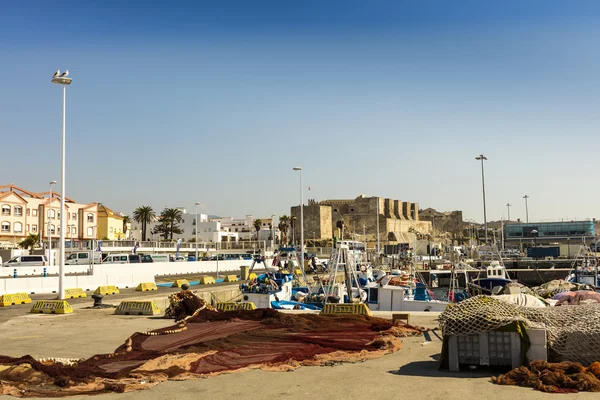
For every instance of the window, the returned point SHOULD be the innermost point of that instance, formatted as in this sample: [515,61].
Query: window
[90,218]
[34,228]
[18,211]
[51,214]
[73,230]
[18,227]
[112,229]
[51,228]
[82,255]
[6,227]
[28,212]
[34,213]
[90,231]
[74,216]
[27,228]
[5,209]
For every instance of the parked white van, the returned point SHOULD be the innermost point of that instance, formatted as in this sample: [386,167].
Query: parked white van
[83,258]
[121,258]
[26,261]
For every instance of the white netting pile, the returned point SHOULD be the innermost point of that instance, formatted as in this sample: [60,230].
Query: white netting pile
[573,332]
[552,288]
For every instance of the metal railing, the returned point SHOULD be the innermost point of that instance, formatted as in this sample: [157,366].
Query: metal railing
[107,245]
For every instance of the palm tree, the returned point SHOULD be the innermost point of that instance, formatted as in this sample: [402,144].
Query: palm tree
[284,225]
[143,215]
[293,226]
[257,225]
[126,221]
[32,240]
[172,217]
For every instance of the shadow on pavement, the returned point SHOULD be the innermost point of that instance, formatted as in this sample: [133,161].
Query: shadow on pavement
[431,369]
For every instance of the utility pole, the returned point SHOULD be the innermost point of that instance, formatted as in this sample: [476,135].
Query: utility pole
[526,208]
[508,205]
[483,158]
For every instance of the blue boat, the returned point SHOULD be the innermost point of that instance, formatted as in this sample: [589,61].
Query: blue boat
[496,276]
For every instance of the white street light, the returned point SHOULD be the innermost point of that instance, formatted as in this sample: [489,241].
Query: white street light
[61,79]
[526,208]
[483,158]
[49,233]
[301,218]
[196,230]
[508,206]
[377,226]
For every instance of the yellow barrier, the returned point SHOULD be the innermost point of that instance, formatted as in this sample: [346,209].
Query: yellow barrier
[51,307]
[74,293]
[346,309]
[252,276]
[137,307]
[207,280]
[230,278]
[298,271]
[235,306]
[106,290]
[146,287]
[180,282]
[13,299]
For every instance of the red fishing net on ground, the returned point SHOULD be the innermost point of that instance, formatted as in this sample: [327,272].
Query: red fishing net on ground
[208,343]
[564,377]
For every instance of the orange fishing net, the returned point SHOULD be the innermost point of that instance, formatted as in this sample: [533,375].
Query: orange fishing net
[564,377]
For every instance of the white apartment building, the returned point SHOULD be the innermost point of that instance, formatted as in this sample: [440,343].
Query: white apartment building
[208,231]
[242,226]
[23,212]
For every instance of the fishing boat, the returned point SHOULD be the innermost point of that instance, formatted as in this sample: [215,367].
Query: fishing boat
[584,269]
[495,279]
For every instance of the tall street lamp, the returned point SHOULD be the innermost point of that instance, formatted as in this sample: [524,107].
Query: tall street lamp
[61,79]
[483,158]
[526,209]
[377,227]
[196,230]
[301,218]
[508,205]
[49,233]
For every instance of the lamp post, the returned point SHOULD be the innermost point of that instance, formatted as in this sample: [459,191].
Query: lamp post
[301,217]
[483,158]
[508,205]
[71,234]
[526,208]
[377,224]
[50,233]
[61,79]
[196,230]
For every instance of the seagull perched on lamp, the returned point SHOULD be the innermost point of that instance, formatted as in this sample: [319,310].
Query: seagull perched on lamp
[64,74]
[56,74]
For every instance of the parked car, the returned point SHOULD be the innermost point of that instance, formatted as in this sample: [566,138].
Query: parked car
[83,258]
[122,259]
[152,258]
[26,261]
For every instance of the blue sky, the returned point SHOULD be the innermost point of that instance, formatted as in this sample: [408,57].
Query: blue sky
[185,101]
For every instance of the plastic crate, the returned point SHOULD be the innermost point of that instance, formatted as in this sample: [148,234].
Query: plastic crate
[492,348]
